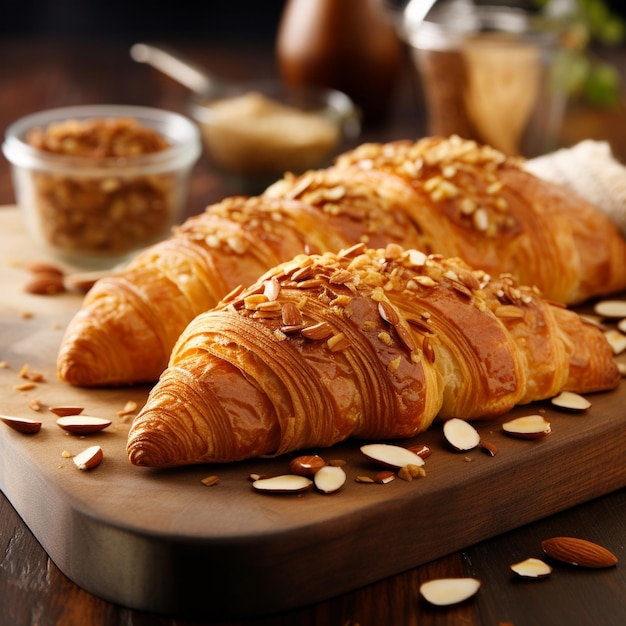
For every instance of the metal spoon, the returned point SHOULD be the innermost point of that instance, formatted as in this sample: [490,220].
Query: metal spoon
[177,67]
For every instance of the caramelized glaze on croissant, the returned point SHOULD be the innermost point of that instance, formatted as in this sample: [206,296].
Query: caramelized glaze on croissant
[447,196]
[373,344]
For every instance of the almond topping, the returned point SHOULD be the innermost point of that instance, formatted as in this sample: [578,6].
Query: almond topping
[388,312]
[319,331]
[291,315]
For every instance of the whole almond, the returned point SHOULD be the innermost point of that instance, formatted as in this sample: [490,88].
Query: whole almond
[45,284]
[578,552]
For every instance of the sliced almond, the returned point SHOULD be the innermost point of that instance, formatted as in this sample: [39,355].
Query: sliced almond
[611,309]
[384,477]
[64,411]
[285,483]
[571,401]
[89,458]
[532,568]
[528,427]
[390,455]
[421,450]
[306,465]
[448,591]
[329,479]
[83,424]
[616,339]
[461,435]
[489,447]
[21,424]
[578,552]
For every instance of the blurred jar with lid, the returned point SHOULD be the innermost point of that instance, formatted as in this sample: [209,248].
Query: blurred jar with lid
[349,45]
[487,74]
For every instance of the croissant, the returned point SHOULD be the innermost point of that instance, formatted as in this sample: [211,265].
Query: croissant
[372,344]
[447,196]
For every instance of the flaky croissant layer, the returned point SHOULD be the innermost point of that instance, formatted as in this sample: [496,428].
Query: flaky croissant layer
[366,343]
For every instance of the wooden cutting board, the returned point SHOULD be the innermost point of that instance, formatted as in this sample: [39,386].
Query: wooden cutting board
[161,541]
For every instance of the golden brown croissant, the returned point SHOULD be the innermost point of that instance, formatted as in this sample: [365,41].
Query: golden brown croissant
[364,343]
[448,196]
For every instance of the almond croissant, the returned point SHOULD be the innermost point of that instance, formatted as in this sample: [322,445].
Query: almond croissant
[373,344]
[447,196]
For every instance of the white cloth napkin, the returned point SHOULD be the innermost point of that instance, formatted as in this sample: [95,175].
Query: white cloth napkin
[590,169]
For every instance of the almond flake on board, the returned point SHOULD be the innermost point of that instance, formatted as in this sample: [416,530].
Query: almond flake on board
[448,591]
[461,435]
[21,424]
[571,401]
[89,458]
[528,427]
[389,455]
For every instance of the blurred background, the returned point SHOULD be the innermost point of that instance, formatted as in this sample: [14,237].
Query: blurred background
[128,19]
[64,52]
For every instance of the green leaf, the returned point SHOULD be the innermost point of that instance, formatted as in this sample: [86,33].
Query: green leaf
[601,87]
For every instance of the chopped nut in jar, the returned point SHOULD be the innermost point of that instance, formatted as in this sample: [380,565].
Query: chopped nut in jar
[88,210]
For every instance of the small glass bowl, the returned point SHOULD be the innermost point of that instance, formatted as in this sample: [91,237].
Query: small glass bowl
[98,211]
[254,132]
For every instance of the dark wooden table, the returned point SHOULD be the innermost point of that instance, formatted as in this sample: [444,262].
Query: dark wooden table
[36,75]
